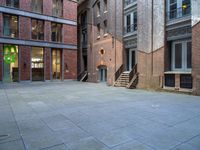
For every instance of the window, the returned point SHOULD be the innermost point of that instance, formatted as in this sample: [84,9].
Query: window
[57,8]
[179,8]
[84,20]
[37,63]
[105,6]
[98,30]
[56,32]
[105,27]
[37,6]
[12,3]
[181,56]
[37,29]
[135,21]
[128,23]
[10,25]
[98,9]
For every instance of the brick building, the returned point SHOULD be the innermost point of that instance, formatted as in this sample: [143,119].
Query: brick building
[38,40]
[100,40]
[160,48]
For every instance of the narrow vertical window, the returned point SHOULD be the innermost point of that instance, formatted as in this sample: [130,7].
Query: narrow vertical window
[98,9]
[57,8]
[10,25]
[128,23]
[37,29]
[134,21]
[37,6]
[105,6]
[178,56]
[189,55]
[56,34]
[98,30]
[172,9]
[105,27]
[12,3]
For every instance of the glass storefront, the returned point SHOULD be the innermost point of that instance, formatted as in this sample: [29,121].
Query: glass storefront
[56,63]
[37,64]
[11,64]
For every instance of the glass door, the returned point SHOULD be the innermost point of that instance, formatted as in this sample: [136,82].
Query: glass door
[56,64]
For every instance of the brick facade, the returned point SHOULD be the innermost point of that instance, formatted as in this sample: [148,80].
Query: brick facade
[69,38]
[196,58]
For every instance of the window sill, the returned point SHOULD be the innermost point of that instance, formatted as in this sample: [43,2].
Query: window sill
[178,72]
[105,11]
[98,37]
[105,35]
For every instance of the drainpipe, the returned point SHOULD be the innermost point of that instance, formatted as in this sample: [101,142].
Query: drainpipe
[152,29]
[115,36]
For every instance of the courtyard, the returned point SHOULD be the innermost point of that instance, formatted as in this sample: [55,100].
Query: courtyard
[86,116]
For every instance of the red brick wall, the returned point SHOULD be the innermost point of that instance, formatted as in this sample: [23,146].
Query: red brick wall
[1,62]
[25,59]
[196,58]
[25,5]
[70,64]
[24,28]
[47,63]
[2,2]
[47,31]
[47,7]
[70,34]
[1,24]
[69,11]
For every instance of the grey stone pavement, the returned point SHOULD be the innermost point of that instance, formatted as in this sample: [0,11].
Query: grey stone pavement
[86,116]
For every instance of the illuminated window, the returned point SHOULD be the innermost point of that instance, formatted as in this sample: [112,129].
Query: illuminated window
[56,32]
[37,29]
[10,25]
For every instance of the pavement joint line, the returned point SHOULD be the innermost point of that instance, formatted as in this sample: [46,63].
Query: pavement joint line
[14,118]
[52,146]
[10,141]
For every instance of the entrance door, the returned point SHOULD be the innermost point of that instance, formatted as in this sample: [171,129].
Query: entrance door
[10,65]
[103,74]
[131,59]
[56,64]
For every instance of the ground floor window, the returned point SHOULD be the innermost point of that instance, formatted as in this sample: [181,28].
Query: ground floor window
[56,63]
[11,63]
[181,56]
[37,63]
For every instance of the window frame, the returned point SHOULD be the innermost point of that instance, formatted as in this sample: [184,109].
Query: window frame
[12,4]
[61,32]
[37,22]
[57,8]
[35,7]
[184,62]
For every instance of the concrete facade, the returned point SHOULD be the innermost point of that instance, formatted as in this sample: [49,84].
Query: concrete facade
[25,43]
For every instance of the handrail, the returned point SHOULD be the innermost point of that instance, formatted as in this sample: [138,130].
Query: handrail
[133,72]
[119,72]
[81,75]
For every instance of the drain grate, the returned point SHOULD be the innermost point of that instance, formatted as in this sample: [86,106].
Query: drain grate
[5,136]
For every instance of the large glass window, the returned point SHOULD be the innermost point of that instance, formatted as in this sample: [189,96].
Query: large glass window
[10,25]
[181,56]
[37,63]
[10,67]
[57,8]
[37,6]
[12,3]
[56,32]
[37,29]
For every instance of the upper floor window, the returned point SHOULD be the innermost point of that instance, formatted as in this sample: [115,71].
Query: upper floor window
[178,8]
[105,6]
[128,2]
[105,27]
[98,30]
[37,29]
[37,5]
[130,22]
[57,8]
[12,3]
[10,25]
[56,32]
[98,9]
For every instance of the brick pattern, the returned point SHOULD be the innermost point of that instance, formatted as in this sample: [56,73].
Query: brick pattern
[2,2]
[25,59]
[196,58]
[70,64]
[24,28]
[70,33]
[25,5]
[47,7]
[68,12]
[1,62]
[47,31]
[47,63]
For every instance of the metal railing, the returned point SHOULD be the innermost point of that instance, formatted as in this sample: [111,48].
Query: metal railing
[179,13]
[133,72]
[130,28]
[128,2]
[119,72]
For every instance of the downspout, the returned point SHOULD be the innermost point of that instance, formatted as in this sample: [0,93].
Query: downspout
[115,37]
[152,29]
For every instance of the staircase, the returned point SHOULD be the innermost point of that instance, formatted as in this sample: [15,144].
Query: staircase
[128,79]
[123,79]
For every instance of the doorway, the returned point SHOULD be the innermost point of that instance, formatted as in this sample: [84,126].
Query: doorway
[131,59]
[102,73]
[56,64]
[11,64]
